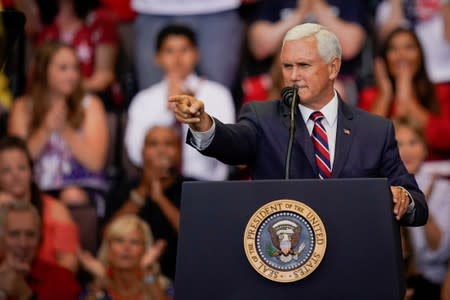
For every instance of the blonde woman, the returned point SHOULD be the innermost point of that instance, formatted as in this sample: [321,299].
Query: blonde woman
[126,267]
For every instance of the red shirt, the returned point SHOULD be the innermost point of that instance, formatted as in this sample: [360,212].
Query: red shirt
[437,130]
[256,88]
[98,28]
[52,282]
[121,8]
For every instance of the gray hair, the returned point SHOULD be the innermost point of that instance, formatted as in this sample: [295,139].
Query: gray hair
[327,43]
[18,206]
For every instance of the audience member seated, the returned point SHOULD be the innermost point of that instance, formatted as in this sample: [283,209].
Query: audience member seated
[403,89]
[22,274]
[430,244]
[59,241]
[177,55]
[430,20]
[64,127]
[127,266]
[345,18]
[156,195]
[92,31]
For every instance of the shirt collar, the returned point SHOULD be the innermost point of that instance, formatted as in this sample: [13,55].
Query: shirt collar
[329,111]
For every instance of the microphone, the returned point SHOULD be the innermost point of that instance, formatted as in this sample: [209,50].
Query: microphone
[289,94]
[290,98]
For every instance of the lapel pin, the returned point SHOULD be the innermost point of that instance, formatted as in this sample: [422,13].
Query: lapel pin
[346,131]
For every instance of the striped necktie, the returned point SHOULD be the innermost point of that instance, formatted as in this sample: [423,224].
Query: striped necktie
[320,140]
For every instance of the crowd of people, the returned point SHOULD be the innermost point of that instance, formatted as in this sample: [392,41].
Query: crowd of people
[92,126]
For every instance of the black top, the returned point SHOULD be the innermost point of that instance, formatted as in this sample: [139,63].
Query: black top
[152,214]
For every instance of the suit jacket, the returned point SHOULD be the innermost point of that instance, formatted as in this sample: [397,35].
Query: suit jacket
[365,147]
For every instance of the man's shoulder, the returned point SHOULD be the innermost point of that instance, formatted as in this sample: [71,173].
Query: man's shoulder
[154,92]
[214,85]
[215,88]
[366,117]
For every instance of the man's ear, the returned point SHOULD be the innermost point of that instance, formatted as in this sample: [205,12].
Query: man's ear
[333,68]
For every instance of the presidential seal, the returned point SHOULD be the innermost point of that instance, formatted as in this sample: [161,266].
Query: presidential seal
[285,240]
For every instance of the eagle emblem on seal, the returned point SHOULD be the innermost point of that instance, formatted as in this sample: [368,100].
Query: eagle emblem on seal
[285,238]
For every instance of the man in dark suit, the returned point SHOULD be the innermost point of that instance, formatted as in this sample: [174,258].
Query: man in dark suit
[356,143]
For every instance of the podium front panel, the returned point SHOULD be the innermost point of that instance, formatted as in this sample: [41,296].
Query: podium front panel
[362,258]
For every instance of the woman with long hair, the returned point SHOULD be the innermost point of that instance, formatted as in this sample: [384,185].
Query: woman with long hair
[64,127]
[403,89]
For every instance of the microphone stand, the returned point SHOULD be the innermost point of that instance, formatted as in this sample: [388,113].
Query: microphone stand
[291,133]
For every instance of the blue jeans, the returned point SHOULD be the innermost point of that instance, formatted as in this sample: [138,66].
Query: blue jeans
[219,37]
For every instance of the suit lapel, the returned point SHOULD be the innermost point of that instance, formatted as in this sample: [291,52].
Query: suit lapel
[344,137]
[302,136]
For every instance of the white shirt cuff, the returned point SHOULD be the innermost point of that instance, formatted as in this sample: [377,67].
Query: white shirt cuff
[201,140]
[411,205]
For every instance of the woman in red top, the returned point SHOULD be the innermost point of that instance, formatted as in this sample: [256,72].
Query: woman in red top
[403,89]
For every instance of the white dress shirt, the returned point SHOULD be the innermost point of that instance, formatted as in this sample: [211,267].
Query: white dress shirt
[149,108]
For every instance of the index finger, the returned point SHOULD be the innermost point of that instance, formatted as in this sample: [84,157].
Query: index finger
[180,99]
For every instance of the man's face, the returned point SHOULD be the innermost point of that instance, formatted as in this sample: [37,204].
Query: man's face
[21,236]
[302,65]
[162,150]
[177,57]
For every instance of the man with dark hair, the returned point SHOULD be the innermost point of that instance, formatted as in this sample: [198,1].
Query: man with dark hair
[177,55]
[177,30]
